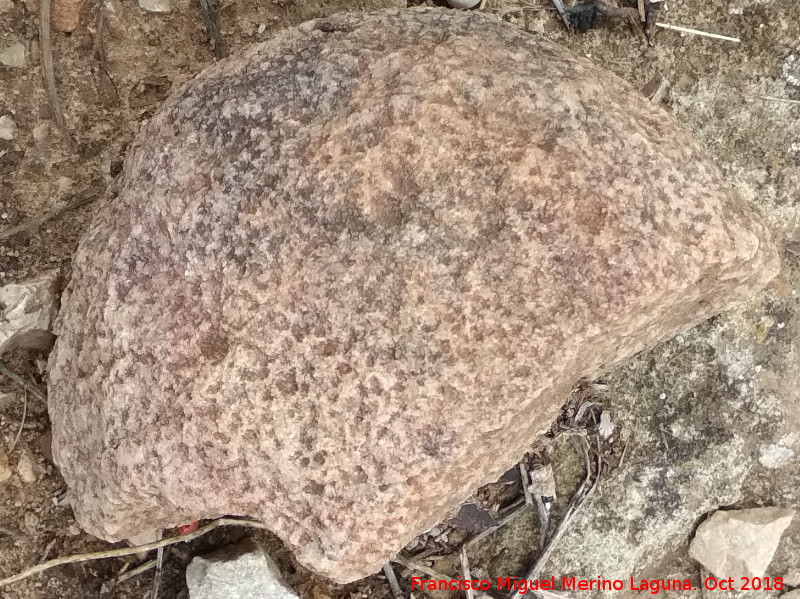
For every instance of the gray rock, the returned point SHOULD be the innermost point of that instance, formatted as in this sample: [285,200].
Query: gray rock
[28,310]
[344,265]
[241,571]
[739,543]
[13,55]
[698,419]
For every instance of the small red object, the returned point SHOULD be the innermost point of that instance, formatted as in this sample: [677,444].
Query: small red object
[189,528]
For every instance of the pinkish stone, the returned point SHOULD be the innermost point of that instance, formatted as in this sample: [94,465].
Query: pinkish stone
[352,274]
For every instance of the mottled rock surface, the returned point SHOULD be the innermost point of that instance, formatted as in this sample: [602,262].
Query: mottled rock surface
[351,275]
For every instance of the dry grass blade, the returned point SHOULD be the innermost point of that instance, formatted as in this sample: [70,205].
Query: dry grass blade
[159,567]
[36,222]
[583,493]
[49,73]
[6,371]
[562,12]
[149,565]
[512,512]
[85,557]
[465,573]
[690,31]
[22,420]
[773,99]
[391,578]
[212,26]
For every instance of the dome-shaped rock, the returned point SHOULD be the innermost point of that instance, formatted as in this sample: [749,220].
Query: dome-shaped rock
[351,274]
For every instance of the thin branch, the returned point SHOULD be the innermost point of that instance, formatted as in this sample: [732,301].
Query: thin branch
[38,221]
[773,99]
[47,550]
[6,371]
[391,578]
[465,573]
[563,13]
[149,565]
[122,552]
[22,421]
[211,18]
[716,36]
[49,74]
[159,565]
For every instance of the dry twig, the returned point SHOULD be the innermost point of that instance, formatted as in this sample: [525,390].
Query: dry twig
[563,13]
[512,512]
[47,550]
[149,565]
[38,221]
[123,551]
[48,72]
[698,32]
[211,19]
[465,573]
[159,566]
[6,371]
[22,420]
[391,578]
[584,492]
[773,99]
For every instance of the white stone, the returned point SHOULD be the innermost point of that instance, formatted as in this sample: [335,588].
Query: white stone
[463,3]
[26,468]
[13,55]
[155,5]
[8,129]
[739,543]
[241,571]
[27,310]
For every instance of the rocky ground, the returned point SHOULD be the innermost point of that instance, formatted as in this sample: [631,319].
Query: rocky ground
[709,419]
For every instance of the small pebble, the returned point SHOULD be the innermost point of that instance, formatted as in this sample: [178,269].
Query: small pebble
[155,5]
[463,3]
[64,183]
[25,469]
[13,55]
[31,520]
[8,129]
